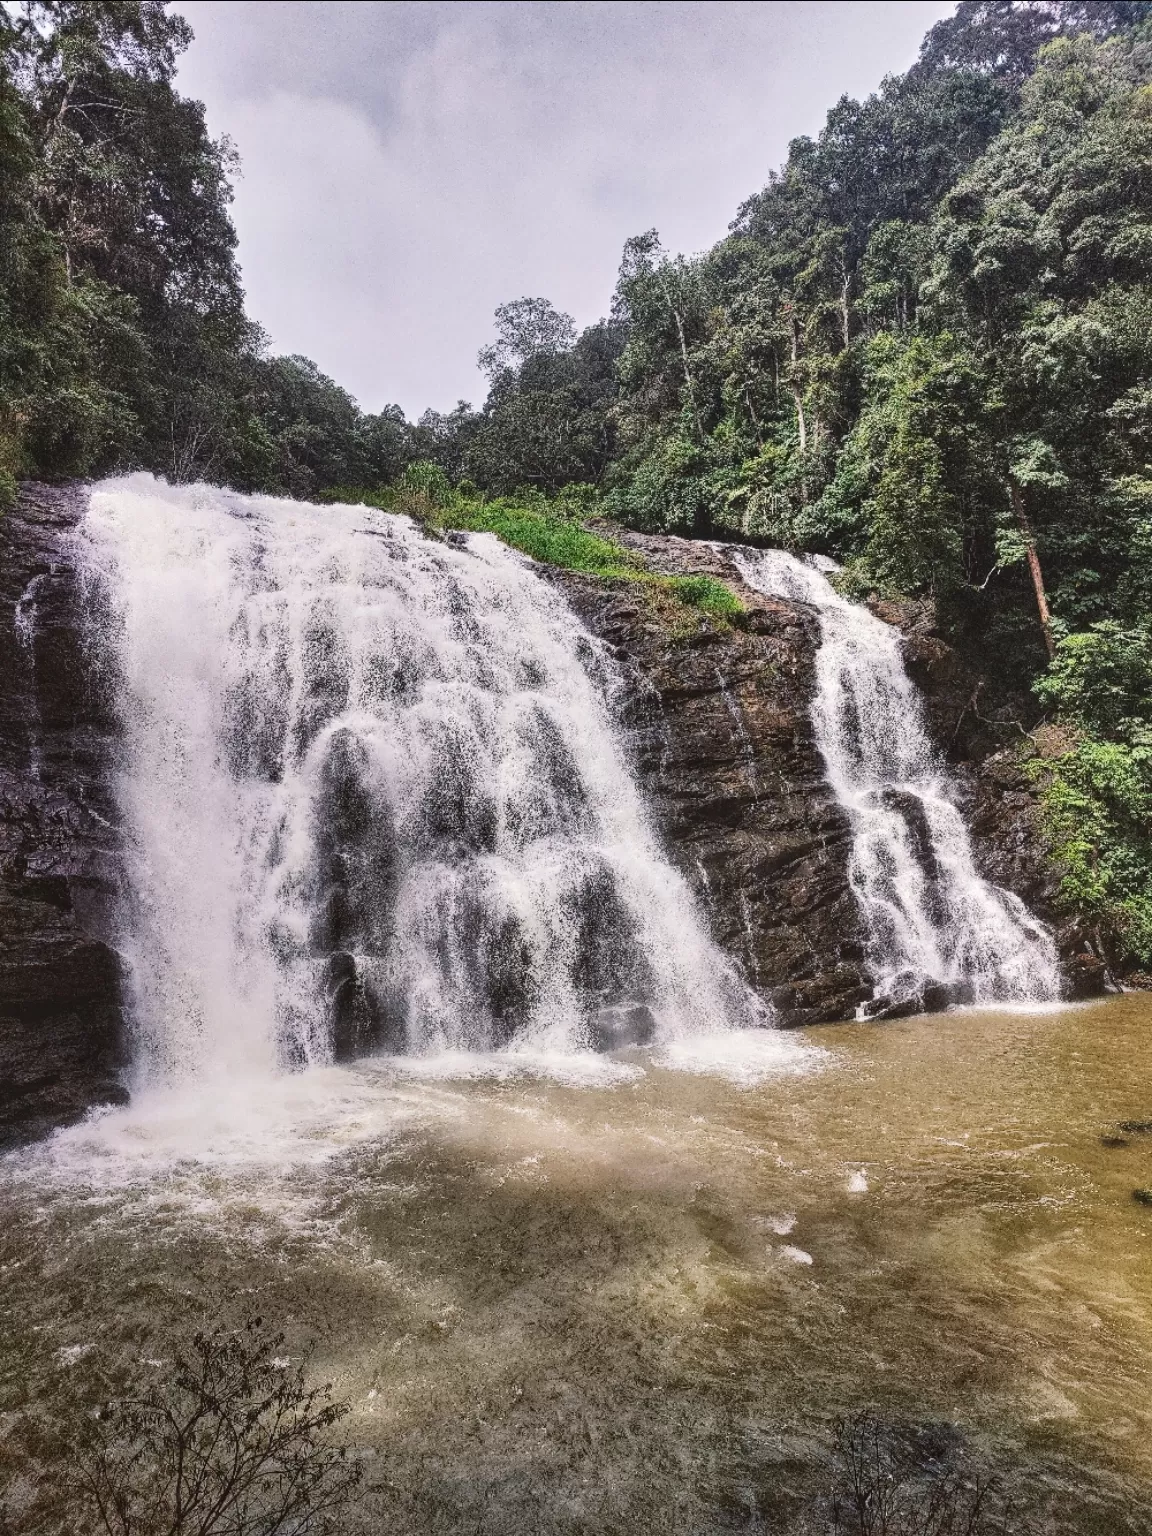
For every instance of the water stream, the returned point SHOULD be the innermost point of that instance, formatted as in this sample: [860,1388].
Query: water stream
[935,930]
[640,1305]
[374,799]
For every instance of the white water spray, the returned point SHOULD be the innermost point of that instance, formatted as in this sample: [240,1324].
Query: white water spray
[931,921]
[373,798]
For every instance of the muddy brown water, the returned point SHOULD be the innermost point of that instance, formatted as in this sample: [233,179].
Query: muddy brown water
[641,1305]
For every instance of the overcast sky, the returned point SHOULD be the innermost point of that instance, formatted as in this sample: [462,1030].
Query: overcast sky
[409,166]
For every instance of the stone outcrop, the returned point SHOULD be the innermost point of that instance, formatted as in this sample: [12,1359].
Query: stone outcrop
[60,997]
[724,746]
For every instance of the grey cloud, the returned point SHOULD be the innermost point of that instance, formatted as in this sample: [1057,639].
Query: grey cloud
[409,166]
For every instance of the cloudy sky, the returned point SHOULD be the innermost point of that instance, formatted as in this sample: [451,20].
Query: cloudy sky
[409,166]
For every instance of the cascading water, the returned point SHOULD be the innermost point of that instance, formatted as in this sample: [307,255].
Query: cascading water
[932,923]
[373,798]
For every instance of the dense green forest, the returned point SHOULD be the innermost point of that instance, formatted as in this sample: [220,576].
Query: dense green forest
[924,347]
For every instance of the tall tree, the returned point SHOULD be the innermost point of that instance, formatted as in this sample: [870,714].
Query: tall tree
[546,421]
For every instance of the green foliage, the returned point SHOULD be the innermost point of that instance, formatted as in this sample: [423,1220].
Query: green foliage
[1004,40]
[552,540]
[1097,786]
[1102,679]
[1097,810]
[427,479]
[678,486]
[547,530]
[707,594]
[915,475]
[123,340]
[539,531]
[545,423]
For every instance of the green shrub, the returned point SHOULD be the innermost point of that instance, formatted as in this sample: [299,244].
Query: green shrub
[547,531]
[1096,788]
[545,537]
[707,594]
[1096,806]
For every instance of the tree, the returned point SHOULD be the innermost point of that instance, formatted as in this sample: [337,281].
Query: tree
[123,338]
[526,328]
[136,194]
[1002,39]
[545,423]
[1037,260]
[230,1442]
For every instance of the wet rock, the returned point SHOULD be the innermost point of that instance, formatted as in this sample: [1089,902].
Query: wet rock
[929,999]
[61,1031]
[724,747]
[1085,974]
[615,1029]
[721,738]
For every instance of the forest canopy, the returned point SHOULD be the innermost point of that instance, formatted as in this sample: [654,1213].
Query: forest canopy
[924,347]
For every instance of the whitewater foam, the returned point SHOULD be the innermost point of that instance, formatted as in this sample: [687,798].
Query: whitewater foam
[374,799]
[930,919]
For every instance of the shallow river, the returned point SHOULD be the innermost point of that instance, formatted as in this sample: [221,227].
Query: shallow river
[638,1300]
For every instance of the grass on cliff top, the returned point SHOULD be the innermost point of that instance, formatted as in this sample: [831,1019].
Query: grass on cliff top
[547,537]
[547,531]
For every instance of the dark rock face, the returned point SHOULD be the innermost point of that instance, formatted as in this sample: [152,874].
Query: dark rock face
[60,1008]
[725,750]
[724,747]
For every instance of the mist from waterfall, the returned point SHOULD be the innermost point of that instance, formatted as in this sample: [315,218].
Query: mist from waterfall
[930,920]
[374,798]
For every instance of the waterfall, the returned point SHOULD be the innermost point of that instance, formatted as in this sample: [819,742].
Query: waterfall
[933,926]
[373,798]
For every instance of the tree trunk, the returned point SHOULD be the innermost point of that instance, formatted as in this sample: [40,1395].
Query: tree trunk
[755,418]
[796,395]
[846,309]
[684,357]
[1034,566]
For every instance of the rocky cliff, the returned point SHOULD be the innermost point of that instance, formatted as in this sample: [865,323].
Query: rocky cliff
[60,1007]
[724,746]
[718,718]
